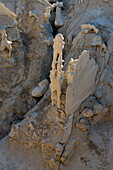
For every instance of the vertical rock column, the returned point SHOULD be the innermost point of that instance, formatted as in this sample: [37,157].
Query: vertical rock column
[56,73]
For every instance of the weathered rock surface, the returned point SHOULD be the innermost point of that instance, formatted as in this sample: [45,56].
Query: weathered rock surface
[27,64]
[83,82]
[40,89]
[75,130]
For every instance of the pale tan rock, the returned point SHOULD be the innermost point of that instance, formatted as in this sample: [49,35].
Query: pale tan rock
[5,11]
[88,154]
[87,113]
[40,89]
[70,70]
[83,82]
[59,22]
[5,44]
[56,74]
[89,28]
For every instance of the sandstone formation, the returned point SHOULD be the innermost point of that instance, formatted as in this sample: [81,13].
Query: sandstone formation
[56,74]
[83,82]
[69,124]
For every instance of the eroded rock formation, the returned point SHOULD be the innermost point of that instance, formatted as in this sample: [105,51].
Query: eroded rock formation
[67,125]
[56,74]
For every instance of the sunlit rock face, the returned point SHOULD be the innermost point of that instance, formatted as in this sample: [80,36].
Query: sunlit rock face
[56,84]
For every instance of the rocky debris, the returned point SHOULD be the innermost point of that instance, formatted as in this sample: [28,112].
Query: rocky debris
[48,151]
[101,116]
[40,89]
[36,129]
[29,137]
[88,103]
[47,131]
[82,124]
[67,129]
[68,149]
[97,113]
[59,150]
[87,113]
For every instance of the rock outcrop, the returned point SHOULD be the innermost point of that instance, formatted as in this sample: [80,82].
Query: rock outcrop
[67,125]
